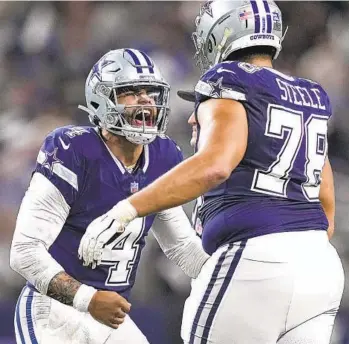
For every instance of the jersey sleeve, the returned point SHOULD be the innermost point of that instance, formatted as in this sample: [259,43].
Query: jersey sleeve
[60,160]
[225,80]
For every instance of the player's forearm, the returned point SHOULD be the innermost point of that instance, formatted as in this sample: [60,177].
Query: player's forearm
[63,288]
[40,219]
[187,181]
[31,260]
[178,241]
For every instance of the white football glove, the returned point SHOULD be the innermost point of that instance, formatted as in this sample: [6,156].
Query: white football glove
[103,229]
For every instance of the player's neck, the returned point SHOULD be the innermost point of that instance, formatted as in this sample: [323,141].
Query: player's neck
[261,61]
[128,153]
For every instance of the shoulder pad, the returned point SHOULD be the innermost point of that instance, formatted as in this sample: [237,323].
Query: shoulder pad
[225,80]
[61,159]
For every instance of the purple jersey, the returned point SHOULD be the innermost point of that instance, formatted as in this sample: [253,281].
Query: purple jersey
[92,181]
[275,188]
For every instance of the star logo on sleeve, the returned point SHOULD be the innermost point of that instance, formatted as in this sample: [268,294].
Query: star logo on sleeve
[51,159]
[216,88]
[206,8]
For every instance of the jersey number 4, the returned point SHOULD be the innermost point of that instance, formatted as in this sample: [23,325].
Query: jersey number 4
[287,124]
[121,254]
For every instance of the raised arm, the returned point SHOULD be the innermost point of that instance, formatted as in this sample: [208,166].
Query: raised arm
[222,145]
[223,139]
[327,196]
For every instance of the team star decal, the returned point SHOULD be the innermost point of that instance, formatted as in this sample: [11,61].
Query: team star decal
[97,68]
[206,7]
[51,159]
[216,88]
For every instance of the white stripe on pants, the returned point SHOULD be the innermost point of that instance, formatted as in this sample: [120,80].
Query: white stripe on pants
[42,320]
[281,282]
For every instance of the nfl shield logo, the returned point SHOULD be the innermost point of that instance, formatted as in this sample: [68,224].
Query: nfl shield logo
[134,187]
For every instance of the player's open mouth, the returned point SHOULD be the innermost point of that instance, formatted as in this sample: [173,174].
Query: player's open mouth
[138,118]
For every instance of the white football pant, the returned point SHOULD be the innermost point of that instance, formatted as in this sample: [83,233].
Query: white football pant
[282,288]
[42,320]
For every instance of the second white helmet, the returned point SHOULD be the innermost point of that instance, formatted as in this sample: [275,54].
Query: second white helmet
[223,27]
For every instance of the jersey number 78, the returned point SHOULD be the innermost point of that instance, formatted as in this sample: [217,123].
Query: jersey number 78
[288,124]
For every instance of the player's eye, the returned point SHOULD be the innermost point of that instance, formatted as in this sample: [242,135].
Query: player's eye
[140,93]
[126,94]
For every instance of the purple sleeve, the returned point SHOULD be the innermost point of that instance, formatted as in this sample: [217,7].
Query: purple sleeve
[224,80]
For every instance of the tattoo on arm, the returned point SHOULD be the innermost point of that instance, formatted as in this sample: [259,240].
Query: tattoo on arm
[63,288]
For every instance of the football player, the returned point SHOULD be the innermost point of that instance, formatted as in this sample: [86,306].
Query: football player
[268,206]
[81,172]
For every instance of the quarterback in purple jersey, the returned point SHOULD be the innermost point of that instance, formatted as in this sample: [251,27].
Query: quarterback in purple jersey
[267,205]
[81,172]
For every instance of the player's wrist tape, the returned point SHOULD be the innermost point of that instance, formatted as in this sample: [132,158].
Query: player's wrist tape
[83,297]
[124,212]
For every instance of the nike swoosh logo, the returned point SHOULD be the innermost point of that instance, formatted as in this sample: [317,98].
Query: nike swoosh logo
[221,69]
[65,146]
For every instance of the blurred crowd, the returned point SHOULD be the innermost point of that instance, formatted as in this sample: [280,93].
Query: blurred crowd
[46,52]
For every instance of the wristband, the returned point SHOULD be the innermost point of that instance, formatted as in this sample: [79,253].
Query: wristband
[83,297]
[124,212]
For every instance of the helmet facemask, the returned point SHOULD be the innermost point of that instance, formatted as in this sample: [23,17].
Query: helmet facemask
[138,123]
[141,112]
[199,42]
[200,57]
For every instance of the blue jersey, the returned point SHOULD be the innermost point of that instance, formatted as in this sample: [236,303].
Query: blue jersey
[275,188]
[92,181]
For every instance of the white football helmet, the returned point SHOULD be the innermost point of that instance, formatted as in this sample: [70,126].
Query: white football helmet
[224,26]
[127,72]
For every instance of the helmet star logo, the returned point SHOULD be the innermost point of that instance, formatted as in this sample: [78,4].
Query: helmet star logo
[98,67]
[206,8]
[216,88]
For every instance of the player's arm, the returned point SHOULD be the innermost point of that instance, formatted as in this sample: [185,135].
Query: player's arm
[327,196]
[222,145]
[178,241]
[40,219]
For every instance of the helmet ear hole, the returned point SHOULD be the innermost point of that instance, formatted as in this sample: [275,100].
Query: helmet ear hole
[95,105]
